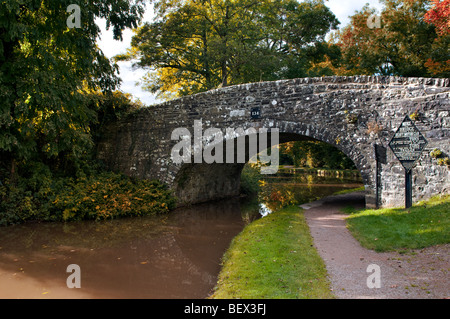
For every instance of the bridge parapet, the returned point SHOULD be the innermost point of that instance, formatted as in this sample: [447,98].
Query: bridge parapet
[352,113]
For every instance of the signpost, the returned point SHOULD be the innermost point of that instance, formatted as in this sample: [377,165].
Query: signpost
[408,144]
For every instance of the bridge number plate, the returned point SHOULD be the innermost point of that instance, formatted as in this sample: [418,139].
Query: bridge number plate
[408,144]
[256,113]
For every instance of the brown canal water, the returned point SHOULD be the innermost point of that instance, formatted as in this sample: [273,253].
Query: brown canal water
[176,256]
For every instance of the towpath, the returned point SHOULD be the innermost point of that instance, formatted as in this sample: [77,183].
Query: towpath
[418,274]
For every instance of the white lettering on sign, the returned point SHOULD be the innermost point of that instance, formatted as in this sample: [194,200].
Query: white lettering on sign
[408,143]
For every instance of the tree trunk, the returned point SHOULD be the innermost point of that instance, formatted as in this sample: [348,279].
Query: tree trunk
[225,49]
[224,74]
[13,172]
[209,84]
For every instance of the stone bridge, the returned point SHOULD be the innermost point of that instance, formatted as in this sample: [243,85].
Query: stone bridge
[352,113]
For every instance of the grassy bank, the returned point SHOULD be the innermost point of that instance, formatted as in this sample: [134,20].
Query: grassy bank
[273,258]
[348,191]
[425,224]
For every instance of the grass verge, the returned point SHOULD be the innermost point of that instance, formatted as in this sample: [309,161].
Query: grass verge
[274,258]
[348,191]
[425,224]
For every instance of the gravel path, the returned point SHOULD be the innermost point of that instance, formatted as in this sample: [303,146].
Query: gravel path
[419,274]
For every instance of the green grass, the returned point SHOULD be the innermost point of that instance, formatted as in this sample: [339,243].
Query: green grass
[425,224]
[348,191]
[274,258]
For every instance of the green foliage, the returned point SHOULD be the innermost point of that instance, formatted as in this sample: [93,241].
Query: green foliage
[195,46]
[46,70]
[441,158]
[49,117]
[26,199]
[108,196]
[105,108]
[436,153]
[352,118]
[250,180]
[103,195]
[443,161]
[314,155]
[109,107]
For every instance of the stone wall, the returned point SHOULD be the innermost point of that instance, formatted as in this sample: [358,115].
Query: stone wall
[351,113]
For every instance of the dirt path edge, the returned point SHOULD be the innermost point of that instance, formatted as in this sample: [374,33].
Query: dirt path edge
[352,269]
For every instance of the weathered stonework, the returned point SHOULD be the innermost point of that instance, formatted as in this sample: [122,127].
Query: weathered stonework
[308,108]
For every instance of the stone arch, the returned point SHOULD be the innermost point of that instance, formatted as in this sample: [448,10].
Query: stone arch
[195,183]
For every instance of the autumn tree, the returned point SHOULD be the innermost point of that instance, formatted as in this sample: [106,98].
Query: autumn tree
[197,45]
[45,70]
[439,16]
[399,46]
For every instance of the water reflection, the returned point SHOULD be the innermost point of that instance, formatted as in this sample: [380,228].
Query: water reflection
[172,256]
[300,186]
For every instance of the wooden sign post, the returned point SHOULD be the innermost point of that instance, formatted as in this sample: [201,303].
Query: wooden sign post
[408,144]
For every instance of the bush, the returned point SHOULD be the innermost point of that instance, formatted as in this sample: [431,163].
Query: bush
[436,153]
[110,196]
[250,180]
[100,196]
[26,198]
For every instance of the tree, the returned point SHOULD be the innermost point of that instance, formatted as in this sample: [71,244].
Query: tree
[439,16]
[46,69]
[401,46]
[197,45]
[109,107]
[314,154]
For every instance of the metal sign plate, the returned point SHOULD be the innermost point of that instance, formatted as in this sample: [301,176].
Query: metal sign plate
[256,113]
[408,144]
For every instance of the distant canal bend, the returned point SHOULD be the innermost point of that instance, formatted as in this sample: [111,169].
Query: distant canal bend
[175,256]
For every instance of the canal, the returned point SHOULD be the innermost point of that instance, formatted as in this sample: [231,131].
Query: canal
[175,256]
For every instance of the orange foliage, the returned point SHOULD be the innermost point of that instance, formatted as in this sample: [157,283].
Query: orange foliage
[436,67]
[439,15]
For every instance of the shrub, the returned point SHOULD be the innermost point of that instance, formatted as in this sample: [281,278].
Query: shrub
[352,118]
[25,199]
[414,117]
[436,153]
[250,180]
[111,196]
[99,196]
[443,161]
